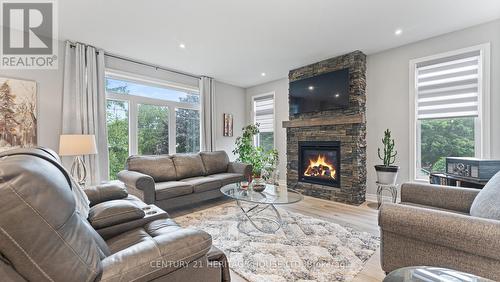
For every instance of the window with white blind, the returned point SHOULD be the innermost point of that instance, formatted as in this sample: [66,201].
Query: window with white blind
[263,113]
[448,93]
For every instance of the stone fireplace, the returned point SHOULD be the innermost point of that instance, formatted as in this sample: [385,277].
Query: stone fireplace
[335,137]
[319,162]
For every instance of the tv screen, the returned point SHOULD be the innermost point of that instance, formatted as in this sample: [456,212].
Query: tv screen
[327,91]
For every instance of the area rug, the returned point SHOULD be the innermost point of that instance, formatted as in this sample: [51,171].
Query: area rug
[304,249]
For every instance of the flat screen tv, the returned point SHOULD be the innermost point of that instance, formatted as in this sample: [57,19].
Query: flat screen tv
[324,92]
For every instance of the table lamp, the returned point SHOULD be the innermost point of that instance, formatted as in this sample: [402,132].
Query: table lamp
[77,146]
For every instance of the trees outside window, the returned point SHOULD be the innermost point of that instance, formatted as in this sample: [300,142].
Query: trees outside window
[188,130]
[118,137]
[152,125]
[149,119]
[441,138]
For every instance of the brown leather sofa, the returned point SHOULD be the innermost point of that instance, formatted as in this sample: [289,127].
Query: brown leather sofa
[43,237]
[171,181]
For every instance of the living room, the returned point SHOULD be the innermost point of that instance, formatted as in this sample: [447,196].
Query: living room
[250,140]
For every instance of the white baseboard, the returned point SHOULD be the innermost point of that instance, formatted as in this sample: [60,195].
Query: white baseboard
[373,198]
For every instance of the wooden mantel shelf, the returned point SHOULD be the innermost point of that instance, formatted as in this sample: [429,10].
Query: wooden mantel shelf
[351,119]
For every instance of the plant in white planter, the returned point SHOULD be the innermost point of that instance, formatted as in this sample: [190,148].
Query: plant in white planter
[387,173]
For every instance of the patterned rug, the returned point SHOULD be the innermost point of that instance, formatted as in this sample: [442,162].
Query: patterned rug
[304,249]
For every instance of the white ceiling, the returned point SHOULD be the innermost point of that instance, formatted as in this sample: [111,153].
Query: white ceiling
[235,40]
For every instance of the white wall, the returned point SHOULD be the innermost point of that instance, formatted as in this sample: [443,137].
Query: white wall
[49,92]
[280,89]
[229,99]
[388,97]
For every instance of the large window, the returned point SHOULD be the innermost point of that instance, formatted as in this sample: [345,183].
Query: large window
[149,117]
[449,102]
[263,113]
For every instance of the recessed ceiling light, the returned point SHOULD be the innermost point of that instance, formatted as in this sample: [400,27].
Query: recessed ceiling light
[398,31]
[337,95]
[182,46]
[263,74]
[311,88]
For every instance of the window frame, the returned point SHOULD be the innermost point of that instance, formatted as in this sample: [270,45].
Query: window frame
[134,102]
[256,138]
[482,122]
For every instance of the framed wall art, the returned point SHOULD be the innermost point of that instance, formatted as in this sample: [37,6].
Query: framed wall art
[228,125]
[18,113]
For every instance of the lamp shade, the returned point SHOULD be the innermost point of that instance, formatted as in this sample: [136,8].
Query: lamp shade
[77,145]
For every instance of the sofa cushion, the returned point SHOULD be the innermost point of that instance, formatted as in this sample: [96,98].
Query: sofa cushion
[160,167]
[203,183]
[215,162]
[172,189]
[487,202]
[227,177]
[188,165]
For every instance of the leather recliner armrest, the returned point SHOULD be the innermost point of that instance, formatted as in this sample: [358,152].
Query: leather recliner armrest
[157,256]
[105,192]
[114,212]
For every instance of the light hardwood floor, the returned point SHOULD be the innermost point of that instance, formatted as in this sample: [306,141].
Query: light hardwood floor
[363,218]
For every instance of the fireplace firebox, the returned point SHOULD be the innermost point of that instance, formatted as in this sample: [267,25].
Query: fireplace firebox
[319,162]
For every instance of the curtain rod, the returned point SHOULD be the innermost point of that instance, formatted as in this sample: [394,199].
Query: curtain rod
[157,67]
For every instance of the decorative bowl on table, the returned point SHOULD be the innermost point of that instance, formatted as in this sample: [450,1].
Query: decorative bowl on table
[259,187]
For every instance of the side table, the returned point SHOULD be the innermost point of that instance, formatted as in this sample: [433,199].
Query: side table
[392,188]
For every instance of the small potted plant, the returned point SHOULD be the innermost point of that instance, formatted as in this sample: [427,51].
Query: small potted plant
[387,173]
[260,159]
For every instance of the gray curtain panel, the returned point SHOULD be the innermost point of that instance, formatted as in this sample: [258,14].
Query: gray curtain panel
[84,103]
[207,93]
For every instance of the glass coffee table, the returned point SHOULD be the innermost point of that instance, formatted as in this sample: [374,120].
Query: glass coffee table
[258,203]
[431,274]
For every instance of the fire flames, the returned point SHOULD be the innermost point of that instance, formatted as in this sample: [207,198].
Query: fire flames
[320,168]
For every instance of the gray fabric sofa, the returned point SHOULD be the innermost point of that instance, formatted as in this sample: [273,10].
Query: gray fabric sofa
[171,181]
[432,226]
[43,237]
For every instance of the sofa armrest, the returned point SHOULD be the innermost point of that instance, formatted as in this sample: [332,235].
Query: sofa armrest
[237,167]
[157,255]
[470,234]
[445,197]
[105,192]
[139,181]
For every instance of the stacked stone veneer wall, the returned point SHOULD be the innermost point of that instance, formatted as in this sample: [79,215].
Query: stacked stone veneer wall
[351,135]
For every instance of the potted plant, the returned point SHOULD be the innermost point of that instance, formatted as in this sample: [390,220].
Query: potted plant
[260,159]
[387,173]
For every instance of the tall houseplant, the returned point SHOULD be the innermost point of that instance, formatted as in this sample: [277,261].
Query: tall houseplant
[387,173]
[260,159]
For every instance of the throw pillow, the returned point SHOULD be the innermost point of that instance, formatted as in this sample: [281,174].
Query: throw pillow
[487,202]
